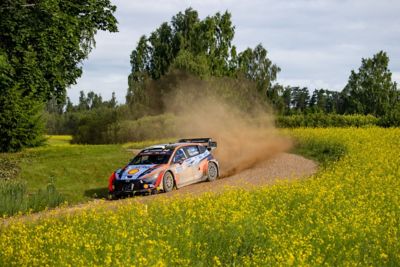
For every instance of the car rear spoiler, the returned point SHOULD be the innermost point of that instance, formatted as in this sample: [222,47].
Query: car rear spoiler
[207,142]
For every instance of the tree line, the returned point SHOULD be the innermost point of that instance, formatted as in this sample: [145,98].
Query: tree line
[369,91]
[38,63]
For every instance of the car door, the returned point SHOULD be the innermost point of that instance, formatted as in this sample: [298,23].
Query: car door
[194,162]
[181,167]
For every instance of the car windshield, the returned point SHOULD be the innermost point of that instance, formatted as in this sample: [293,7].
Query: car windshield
[145,159]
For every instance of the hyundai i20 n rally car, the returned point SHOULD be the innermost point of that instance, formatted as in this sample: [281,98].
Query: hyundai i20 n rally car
[163,167]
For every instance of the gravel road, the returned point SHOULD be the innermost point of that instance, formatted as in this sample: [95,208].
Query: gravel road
[282,166]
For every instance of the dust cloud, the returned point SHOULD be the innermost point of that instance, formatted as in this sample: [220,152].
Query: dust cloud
[245,136]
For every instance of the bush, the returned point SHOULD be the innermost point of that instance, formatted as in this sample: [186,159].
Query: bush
[102,126]
[392,118]
[325,120]
[93,126]
[146,128]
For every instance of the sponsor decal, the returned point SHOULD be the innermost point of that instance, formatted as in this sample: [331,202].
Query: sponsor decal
[133,171]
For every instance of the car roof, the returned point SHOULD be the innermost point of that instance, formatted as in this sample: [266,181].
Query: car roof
[164,147]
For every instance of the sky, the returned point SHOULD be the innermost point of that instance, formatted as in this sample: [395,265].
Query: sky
[316,43]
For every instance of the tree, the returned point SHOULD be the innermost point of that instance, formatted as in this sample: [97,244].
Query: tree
[200,47]
[258,67]
[69,106]
[140,59]
[113,101]
[300,98]
[42,44]
[371,89]
[20,121]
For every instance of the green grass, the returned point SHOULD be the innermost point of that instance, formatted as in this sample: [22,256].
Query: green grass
[58,140]
[324,152]
[79,172]
[43,177]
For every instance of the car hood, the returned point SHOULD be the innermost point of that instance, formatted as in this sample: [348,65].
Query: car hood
[136,171]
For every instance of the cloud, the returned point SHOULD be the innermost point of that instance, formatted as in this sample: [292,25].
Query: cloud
[396,78]
[311,84]
[315,42]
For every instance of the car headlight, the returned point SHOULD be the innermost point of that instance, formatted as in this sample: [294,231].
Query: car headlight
[117,172]
[155,176]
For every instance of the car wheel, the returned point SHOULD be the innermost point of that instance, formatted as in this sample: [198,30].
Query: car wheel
[212,171]
[168,182]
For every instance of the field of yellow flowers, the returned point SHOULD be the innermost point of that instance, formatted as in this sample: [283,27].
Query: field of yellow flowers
[347,214]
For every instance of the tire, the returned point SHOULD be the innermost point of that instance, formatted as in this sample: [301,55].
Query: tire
[168,182]
[212,172]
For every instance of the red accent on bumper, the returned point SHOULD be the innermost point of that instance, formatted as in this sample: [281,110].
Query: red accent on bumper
[159,178]
[110,182]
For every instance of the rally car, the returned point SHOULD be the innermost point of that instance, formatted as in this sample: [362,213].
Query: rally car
[161,168]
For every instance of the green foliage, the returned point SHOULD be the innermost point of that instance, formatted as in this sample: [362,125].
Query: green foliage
[14,198]
[199,47]
[68,122]
[325,120]
[257,67]
[21,124]
[44,42]
[325,101]
[195,64]
[392,117]
[45,198]
[371,90]
[41,46]
[93,126]
[325,151]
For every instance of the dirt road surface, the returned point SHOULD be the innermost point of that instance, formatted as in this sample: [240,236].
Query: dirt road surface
[282,166]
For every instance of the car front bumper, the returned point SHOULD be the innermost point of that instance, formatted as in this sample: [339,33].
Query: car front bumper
[124,187]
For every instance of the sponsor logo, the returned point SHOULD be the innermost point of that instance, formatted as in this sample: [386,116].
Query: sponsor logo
[133,171]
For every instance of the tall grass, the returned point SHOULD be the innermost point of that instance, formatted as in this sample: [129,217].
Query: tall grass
[15,199]
[12,196]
